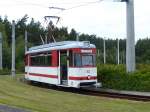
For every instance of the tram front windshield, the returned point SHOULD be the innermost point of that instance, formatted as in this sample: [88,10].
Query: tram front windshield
[84,60]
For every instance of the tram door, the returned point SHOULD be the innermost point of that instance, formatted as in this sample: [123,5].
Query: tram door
[63,67]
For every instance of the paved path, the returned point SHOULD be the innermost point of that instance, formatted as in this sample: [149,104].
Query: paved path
[5,108]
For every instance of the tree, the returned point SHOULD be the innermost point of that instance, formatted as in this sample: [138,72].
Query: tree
[72,35]
[6,49]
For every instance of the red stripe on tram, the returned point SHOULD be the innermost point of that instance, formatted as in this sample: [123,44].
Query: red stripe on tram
[44,75]
[83,78]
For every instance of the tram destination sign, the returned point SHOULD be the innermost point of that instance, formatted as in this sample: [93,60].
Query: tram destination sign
[86,51]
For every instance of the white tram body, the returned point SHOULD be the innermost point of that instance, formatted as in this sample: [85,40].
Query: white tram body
[67,63]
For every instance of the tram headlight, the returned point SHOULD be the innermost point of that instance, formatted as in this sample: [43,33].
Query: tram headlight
[88,77]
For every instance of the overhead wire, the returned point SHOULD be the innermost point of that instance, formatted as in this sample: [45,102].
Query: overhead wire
[81,5]
[62,3]
[78,4]
[85,4]
[30,3]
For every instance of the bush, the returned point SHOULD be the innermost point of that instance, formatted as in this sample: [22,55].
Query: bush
[20,67]
[5,72]
[115,77]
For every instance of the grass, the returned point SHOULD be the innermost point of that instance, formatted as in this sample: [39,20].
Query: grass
[15,93]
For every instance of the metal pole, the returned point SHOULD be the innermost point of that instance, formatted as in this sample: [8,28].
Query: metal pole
[77,37]
[1,55]
[13,72]
[45,39]
[130,44]
[104,51]
[118,52]
[26,41]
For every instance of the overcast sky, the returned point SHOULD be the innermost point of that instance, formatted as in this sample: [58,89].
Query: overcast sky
[105,19]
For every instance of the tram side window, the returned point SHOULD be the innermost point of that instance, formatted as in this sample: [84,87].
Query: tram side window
[77,60]
[45,60]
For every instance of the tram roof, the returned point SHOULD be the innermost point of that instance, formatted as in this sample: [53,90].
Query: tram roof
[61,45]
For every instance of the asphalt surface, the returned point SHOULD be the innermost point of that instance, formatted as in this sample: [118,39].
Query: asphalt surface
[5,108]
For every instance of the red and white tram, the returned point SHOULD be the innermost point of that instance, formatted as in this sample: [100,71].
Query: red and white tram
[67,63]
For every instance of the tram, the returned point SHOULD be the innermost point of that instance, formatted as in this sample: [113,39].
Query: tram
[66,63]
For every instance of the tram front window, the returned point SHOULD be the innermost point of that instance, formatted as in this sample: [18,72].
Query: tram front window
[84,60]
[87,60]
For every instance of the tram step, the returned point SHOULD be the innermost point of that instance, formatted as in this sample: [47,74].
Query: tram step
[64,82]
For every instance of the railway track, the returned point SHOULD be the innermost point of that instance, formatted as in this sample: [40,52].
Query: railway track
[137,96]
[117,94]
